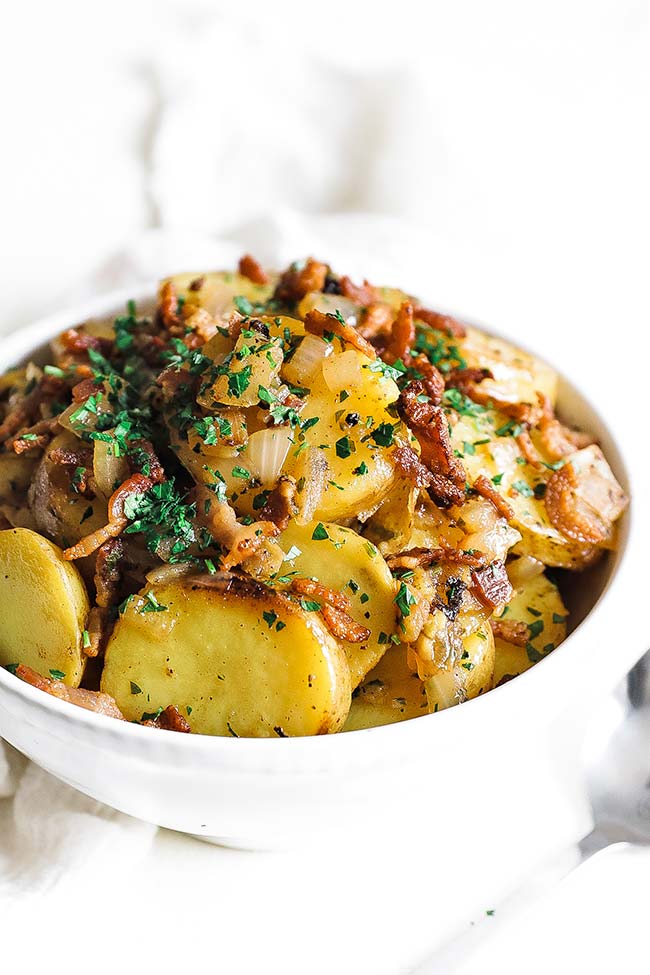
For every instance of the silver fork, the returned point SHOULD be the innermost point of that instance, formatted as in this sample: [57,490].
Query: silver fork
[617,777]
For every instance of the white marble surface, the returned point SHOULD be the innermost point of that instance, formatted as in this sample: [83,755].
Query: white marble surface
[503,151]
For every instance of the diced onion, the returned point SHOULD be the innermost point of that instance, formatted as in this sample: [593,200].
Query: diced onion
[307,359]
[344,371]
[266,453]
[108,470]
[329,305]
[312,474]
[168,573]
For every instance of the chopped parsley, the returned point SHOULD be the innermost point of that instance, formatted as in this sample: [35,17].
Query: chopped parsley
[404,599]
[319,533]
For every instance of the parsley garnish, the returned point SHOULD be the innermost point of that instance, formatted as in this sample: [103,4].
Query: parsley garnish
[319,533]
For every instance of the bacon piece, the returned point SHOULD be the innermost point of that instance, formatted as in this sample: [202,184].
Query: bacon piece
[512,631]
[443,323]
[491,585]
[364,294]
[197,283]
[253,270]
[95,701]
[171,380]
[281,505]
[26,410]
[430,425]
[74,341]
[414,558]
[239,541]
[73,457]
[117,522]
[342,626]
[319,323]
[402,335]
[156,470]
[170,719]
[432,378]
[295,284]
[465,380]
[107,572]
[409,466]
[568,511]
[375,320]
[528,449]
[310,587]
[558,440]
[84,389]
[35,437]
[484,486]
[168,308]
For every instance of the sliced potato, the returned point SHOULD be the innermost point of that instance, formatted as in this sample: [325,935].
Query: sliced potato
[43,607]
[494,452]
[218,290]
[462,675]
[16,472]
[390,692]
[245,661]
[518,375]
[538,604]
[350,564]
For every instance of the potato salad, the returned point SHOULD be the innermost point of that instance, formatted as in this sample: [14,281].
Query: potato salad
[283,504]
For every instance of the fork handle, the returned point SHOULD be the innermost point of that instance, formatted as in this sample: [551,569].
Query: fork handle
[452,955]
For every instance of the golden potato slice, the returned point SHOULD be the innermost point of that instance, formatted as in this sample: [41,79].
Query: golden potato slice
[463,677]
[244,661]
[518,375]
[487,447]
[390,692]
[43,607]
[347,563]
[538,605]
[218,290]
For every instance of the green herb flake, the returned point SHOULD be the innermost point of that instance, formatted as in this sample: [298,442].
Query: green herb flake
[85,639]
[404,599]
[134,688]
[524,489]
[151,605]
[310,605]
[57,674]
[319,533]
[269,617]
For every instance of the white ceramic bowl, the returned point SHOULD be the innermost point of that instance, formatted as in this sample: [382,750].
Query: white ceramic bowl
[472,779]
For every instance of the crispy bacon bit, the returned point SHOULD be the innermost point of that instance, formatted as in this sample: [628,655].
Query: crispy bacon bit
[295,284]
[557,440]
[27,409]
[415,558]
[171,380]
[484,486]
[107,572]
[342,626]
[281,505]
[197,283]
[35,437]
[512,631]
[156,471]
[364,294]
[465,380]
[84,389]
[136,484]
[75,341]
[402,335]
[168,307]
[528,449]
[569,513]
[432,378]
[253,270]
[409,466]
[96,630]
[491,585]
[90,700]
[66,456]
[239,541]
[375,320]
[310,587]
[319,323]
[443,323]
[170,719]
[429,424]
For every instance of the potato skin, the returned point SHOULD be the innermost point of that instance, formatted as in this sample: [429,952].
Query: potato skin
[43,607]
[225,664]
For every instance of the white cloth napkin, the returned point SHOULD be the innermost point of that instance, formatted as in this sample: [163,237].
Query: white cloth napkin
[451,153]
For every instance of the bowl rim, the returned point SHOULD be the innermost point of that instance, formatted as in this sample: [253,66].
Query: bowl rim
[22,341]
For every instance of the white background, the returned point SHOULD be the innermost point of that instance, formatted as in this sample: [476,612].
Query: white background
[506,145]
